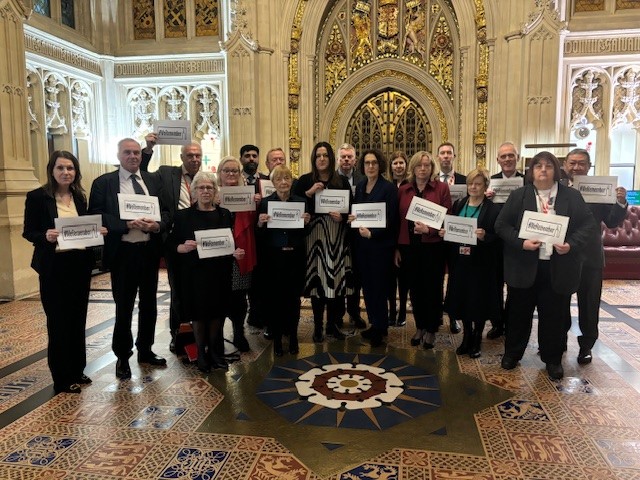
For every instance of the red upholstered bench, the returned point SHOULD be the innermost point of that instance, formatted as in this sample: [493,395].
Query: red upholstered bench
[622,247]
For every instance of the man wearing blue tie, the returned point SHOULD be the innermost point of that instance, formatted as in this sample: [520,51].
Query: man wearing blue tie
[131,252]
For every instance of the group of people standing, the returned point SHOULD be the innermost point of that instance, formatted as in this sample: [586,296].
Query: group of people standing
[326,260]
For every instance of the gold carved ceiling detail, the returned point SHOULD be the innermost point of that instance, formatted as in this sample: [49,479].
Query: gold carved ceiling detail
[144,20]
[589,6]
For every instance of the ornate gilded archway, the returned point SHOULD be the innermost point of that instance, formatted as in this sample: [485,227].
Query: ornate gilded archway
[389,121]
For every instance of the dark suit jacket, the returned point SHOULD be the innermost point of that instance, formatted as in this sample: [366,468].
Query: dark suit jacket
[40,213]
[499,175]
[104,200]
[458,178]
[384,192]
[520,266]
[171,178]
[612,216]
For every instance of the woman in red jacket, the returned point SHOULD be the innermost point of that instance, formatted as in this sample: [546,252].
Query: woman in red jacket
[421,250]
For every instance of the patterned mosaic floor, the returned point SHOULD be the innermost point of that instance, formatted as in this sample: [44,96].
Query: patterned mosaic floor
[340,411]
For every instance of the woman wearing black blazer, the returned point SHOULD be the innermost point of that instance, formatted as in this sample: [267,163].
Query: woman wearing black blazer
[65,276]
[473,296]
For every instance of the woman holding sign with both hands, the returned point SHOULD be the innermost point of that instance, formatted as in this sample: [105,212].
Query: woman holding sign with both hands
[206,282]
[471,300]
[285,258]
[374,247]
[65,276]
[421,250]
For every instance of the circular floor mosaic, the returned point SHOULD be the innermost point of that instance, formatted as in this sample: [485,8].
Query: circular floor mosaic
[350,390]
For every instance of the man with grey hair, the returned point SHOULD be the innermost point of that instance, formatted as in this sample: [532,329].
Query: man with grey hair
[275,157]
[508,158]
[177,195]
[347,168]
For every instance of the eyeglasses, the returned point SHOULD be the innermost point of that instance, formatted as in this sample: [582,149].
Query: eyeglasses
[230,171]
[205,187]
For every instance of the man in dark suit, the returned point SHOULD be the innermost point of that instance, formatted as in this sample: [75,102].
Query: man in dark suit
[176,195]
[132,252]
[275,157]
[347,168]
[508,158]
[578,162]
[249,159]
[446,156]
[540,274]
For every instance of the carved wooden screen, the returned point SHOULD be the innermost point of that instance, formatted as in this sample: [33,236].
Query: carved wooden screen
[390,121]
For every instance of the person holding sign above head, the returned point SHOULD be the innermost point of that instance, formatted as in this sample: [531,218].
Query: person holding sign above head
[541,265]
[65,275]
[374,246]
[421,250]
[284,257]
[472,292]
[206,279]
[230,175]
[132,250]
[328,276]
[578,162]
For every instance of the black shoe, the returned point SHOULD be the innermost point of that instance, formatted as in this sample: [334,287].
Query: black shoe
[495,332]
[318,337]
[417,338]
[172,345]
[123,371]
[267,334]
[340,323]
[402,320]
[277,351]
[367,333]
[376,338]
[453,326]
[428,340]
[293,345]
[242,344]
[508,363]
[219,364]
[585,357]
[73,388]
[336,333]
[151,358]
[84,380]
[555,371]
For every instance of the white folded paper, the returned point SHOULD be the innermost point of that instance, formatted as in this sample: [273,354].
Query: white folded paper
[238,199]
[216,242]
[460,229]
[138,206]
[285,214]
[266,187]
[457,192]
[329,200]
[79,232]
[502,187]
[429,213]
[546,227]
[596,189]
[173,132]
[370,215]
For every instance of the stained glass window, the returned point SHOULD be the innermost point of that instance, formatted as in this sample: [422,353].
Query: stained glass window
[43,7]
[67,11]
[206,18]
[144,20]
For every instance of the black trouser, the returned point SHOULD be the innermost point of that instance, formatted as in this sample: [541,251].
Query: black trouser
[553,311]
[134,272]
[174,284]
[375,266]
[64,292]
[589,294]
[425,263]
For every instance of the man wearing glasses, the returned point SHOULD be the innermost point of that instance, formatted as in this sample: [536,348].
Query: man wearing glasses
[176,193]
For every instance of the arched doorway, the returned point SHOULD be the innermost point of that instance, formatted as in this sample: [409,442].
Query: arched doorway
[389,121]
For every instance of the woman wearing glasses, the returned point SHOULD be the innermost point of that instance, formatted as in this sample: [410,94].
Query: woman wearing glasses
[206,282]
[230,175]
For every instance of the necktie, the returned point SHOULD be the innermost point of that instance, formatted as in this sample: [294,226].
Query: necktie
[137,188]
[251,180]
[445,178]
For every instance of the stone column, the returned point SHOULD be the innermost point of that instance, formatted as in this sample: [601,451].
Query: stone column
[17,279]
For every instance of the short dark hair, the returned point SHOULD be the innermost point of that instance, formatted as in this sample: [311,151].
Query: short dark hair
[549,157]
[446,144]
[248,148]
[52,186]
[382,161]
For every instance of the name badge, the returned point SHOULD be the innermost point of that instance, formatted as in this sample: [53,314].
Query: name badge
[465,250]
